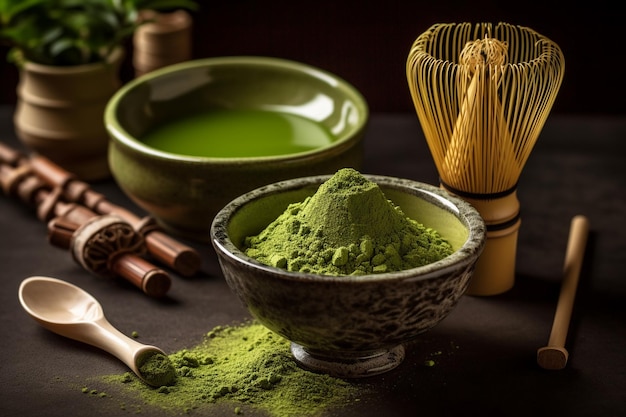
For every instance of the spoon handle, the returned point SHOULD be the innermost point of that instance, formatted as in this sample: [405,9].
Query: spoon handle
[103,335]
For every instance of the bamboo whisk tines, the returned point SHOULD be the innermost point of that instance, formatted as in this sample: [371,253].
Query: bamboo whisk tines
[482,94]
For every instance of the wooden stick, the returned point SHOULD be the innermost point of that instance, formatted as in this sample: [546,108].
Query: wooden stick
[555,355]
[182,258]
[22,184]
[65,220]
[118,252]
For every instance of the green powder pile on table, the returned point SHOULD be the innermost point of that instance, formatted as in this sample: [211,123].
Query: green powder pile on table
[348,227]
[245,368]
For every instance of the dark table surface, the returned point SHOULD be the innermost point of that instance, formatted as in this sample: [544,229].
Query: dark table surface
[577,167]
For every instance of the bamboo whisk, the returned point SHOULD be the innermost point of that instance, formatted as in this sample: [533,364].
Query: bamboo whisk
[482,94]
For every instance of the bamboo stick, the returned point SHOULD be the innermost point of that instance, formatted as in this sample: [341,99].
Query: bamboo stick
[118,256]
[555,355]
[167,250]
[181,258]
[66,223]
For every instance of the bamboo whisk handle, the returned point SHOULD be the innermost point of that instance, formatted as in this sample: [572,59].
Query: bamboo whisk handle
[555,355]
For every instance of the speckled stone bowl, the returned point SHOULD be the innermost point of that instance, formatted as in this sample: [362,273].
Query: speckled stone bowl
[183,192]
[349,326]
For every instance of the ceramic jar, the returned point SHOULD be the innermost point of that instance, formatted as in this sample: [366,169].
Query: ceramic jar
[60,113]
[165,40]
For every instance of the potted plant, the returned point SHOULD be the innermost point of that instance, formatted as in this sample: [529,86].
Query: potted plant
[69,53]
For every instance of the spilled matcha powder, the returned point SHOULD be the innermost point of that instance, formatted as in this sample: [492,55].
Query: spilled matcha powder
[348,227]
[245,369]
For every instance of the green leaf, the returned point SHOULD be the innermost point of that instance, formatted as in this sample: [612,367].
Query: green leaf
[66,32]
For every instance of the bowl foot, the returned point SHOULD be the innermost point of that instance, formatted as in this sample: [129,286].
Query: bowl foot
[350,365]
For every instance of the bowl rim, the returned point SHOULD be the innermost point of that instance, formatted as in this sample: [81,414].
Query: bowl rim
[462,257]
[119,134]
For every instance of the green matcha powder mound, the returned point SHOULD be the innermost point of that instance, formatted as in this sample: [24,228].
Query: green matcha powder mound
[348,227]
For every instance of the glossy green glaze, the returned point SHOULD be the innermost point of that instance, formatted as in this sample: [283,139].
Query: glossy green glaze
[184,192]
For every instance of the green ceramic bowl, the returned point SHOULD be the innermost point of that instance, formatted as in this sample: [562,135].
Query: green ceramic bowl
[184,189]
[349,326]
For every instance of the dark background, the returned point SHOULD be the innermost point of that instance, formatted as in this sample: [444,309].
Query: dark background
[367,42]
[492,372]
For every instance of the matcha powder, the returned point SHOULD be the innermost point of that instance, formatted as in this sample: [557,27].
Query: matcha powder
[245,368]
[348,227]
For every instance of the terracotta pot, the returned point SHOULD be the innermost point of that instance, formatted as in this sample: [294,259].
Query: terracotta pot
[60,113]
[164,41]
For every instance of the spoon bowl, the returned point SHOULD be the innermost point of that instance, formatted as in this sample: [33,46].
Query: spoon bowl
[69,311]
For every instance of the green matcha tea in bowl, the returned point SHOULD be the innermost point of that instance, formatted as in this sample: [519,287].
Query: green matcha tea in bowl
[189,138]
[348,267]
